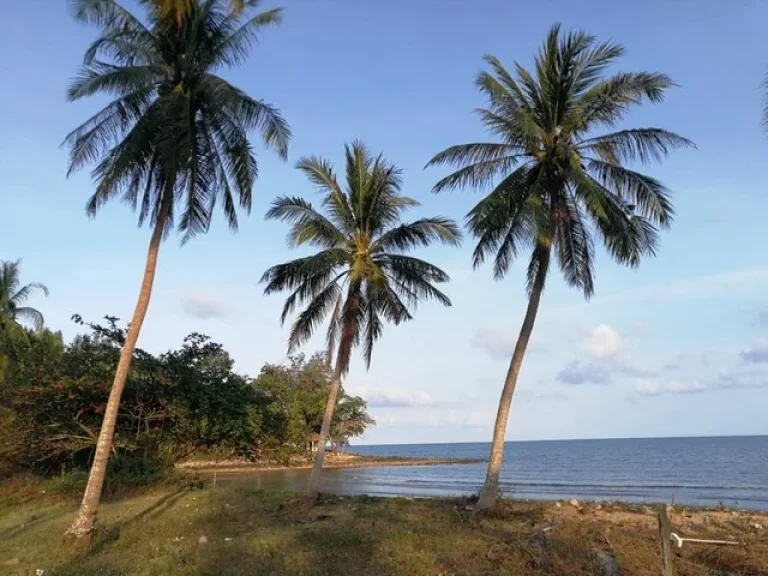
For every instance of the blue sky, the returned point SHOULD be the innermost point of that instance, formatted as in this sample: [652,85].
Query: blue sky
[677,347]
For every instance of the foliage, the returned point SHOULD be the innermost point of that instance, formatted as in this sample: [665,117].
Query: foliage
[362,245]
[14,312]
[184,402]
[173,141]
[557,181]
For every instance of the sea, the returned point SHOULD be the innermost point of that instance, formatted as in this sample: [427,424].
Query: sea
[705,471]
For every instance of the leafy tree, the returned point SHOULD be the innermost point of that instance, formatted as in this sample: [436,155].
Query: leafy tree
[361,275]
[173,143]
[350,419]
[557,181]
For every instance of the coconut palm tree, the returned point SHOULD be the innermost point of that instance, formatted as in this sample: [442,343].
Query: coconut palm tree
[13,296]
[13,312]
[361,276]
[557,181]
[179,8]
[173,142]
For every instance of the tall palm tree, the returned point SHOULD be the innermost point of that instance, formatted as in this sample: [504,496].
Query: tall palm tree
[361,274]
[13,297]
[557,181]
[172,144]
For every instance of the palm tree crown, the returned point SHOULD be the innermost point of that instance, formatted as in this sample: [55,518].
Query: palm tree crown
[176,132]
[557,183]
[363,246]
[13,296]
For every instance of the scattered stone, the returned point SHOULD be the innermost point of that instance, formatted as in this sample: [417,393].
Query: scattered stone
[202,540]
[599,507]
[607,562]
[734,513]
[757,526]
[558,504]
[227,539]
[575,503]
[39,572]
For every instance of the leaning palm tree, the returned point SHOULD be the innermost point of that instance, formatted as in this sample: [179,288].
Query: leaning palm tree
[173,143]
[13,297]
[361,274]
[557,181]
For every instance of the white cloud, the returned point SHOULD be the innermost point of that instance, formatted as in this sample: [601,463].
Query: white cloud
[203,305]
[474,419]
[656,387]
[392,397]
[603,341]
[495,343]
[576,373]
[757,353]
[722,381]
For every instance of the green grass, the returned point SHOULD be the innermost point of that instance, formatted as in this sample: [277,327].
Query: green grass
[251,532]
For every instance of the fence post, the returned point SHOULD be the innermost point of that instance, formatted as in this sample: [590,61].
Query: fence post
[665,529]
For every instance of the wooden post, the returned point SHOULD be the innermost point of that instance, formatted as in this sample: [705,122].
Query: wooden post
[665,529]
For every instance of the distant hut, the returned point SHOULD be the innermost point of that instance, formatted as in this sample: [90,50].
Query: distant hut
[314,442]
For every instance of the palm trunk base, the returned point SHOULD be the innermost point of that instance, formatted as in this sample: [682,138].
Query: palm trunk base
[83,527]
[489,496]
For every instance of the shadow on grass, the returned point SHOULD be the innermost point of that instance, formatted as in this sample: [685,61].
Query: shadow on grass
[34,520]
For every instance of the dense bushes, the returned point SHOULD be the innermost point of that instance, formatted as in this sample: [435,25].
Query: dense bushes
[183,403]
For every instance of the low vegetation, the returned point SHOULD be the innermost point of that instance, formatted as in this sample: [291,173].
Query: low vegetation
[235,531]
[184,404]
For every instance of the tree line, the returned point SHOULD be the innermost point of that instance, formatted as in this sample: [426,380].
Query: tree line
[185,403]
[557,172]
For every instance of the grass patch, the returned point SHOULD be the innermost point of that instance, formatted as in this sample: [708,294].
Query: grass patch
[231,531]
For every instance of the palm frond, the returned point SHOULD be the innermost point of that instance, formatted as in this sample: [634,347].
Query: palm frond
[649,196]
[422,232]
[30,315]
[639,144]
[574,247]
[308,225]
[313,315]
[320,173]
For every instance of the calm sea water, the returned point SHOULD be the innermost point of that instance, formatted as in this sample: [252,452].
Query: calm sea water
[693,471]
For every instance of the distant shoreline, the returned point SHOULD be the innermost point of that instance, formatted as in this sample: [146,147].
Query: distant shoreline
[331,461]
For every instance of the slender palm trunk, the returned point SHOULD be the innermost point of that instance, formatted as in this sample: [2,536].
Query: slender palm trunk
[489,493]
[314,478]
[86,518]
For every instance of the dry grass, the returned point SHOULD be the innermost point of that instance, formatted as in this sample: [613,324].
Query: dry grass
[267,533]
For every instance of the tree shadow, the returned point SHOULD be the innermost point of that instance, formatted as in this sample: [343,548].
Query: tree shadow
[34,520]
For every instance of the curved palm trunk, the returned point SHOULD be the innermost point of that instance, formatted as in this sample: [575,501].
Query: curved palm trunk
[325,430]
[86,518]
[489,493]
[349,326]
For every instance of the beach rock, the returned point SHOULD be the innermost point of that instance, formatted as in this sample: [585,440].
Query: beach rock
[202,540]
[575,503]
[608,562]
